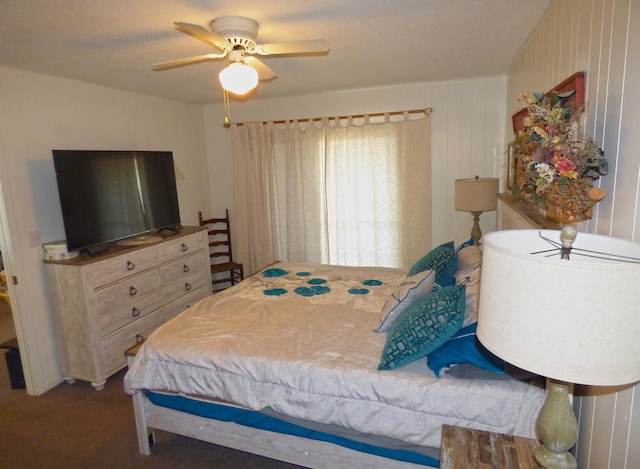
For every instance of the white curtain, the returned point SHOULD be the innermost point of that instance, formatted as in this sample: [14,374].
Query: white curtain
[349,194]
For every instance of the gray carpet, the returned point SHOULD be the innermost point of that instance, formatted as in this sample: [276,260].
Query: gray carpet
[74,426]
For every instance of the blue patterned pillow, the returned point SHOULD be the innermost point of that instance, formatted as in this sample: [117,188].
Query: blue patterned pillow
[423,327]
[443,260]
[464,347]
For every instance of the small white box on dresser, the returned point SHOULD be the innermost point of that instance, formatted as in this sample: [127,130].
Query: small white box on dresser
[105,304]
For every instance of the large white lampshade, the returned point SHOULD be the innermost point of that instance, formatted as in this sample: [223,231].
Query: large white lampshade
[575,320]
[238,78]
[572,321]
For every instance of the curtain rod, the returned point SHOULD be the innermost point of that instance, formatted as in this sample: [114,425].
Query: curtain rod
[426,111]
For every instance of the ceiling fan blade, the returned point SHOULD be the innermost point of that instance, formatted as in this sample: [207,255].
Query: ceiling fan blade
[204,35]
[187,61]
[264,71]
[313,46]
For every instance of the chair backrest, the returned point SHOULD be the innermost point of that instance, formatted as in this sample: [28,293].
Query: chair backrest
[219,230]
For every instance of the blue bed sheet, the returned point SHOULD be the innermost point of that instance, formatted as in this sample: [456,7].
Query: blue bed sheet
[254,419]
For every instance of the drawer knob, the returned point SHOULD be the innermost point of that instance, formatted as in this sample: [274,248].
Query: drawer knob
[184,247]
[130,265]
[135,312]
[187,286]
[132,290]
[185,268]
[139,338]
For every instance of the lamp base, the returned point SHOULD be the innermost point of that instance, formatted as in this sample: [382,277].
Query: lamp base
[550,459]
[557,428]
[476,234]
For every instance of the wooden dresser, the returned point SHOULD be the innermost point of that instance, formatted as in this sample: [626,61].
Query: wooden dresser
[514,214]
[105,304]
[465,448]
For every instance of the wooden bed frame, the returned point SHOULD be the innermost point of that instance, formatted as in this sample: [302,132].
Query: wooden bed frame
[292,449]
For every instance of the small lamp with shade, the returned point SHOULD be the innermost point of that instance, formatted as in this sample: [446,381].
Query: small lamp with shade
[563,305]
[476,195]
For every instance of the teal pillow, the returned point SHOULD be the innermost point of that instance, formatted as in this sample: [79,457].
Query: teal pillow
[443,260]
[423,327]
[464,347]
[466,244]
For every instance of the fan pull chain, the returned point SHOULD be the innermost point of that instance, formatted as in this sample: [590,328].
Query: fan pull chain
[225,98]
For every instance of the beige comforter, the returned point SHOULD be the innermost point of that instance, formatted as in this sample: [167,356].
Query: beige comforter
[298,338]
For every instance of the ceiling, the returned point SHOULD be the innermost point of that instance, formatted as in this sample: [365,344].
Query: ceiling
[372,42]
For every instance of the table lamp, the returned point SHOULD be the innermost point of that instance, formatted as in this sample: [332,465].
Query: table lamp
[566,308]
[476,195]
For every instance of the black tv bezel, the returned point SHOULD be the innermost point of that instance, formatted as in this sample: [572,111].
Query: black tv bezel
[98,246]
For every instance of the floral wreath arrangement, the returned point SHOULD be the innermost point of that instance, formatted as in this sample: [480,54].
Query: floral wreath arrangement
[555,160]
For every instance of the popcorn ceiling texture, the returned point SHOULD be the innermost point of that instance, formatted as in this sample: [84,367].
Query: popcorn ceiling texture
[372,42]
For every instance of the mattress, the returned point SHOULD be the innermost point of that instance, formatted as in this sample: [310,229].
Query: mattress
[299,339]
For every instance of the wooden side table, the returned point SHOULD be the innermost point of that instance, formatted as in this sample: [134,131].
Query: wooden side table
[131,351]
[468,448]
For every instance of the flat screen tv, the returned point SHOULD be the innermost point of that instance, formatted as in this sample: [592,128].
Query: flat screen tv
[109,196]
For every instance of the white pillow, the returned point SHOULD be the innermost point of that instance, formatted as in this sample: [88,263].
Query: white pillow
[469,255]
[469,275]
[412,289]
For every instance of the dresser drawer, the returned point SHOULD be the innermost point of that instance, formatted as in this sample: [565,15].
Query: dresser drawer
[181,268]
[116,343]
[180,247]
[126,292]
[118,268]
[138,307]
[174,290]
[176,307]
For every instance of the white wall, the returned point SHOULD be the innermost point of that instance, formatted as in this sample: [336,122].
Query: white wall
[40,113]
[602,38]
[467,122]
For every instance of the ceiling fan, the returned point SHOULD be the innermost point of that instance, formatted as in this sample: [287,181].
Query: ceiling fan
[236,38]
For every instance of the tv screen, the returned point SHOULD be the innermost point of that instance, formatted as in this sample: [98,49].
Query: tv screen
[107,196]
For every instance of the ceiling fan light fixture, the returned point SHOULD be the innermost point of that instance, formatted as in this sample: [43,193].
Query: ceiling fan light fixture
[238,78]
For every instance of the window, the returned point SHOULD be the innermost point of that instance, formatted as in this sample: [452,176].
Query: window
[349,195]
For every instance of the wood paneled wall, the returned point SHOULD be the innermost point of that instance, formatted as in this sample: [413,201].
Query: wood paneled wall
[602,38]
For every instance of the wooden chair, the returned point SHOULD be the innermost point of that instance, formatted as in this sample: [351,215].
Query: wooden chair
[220,248]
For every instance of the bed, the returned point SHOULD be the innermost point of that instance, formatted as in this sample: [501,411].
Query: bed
[300,363]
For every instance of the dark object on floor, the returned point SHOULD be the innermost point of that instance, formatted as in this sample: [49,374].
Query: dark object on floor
[14,364]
